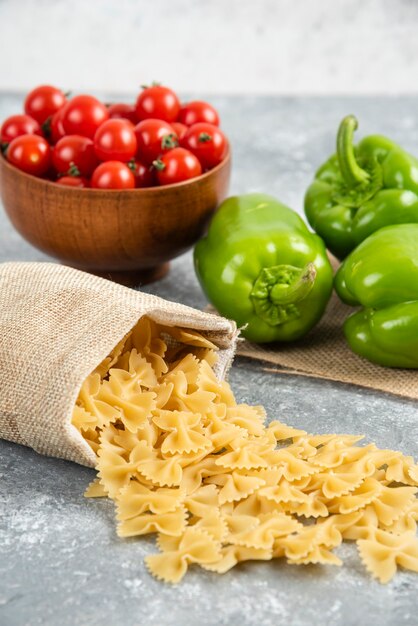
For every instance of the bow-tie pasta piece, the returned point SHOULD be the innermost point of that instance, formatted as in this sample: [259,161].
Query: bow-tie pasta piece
[112,359]
[317,555]
[293,467]
[207,381]
[189,365]
[313,507]
[182,432]
[194,474]
[363,527]
[401,469]
[235,486]
[232,555]
[283,432]
[114,471]
[367,492]
[95,490]
[136,498]
[245,456]
[255,506]
[89,399]
[196,546]
[182,459]
[172,523]
[188,337]
[270,527]
[213,523]
[202,501]
[161,472]
[284,492]
[133,407]
[249,418]
[146,338]
[393,502]
[382,552]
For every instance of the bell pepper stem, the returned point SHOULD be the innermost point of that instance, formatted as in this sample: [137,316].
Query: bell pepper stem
[278,290]
[282,294]
[352,173]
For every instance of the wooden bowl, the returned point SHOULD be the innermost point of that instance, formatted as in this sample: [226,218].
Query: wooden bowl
[126,235]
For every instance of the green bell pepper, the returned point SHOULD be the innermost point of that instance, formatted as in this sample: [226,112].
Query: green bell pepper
[260,266]
[361,189]
[381,275]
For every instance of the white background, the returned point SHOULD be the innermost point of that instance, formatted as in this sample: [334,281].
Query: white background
[208,46]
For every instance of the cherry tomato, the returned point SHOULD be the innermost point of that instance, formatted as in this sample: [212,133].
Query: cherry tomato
[73,181]
[157,102]
[153,138]
[44,101]
[115,140]
[144,175]
[198,111]
[207,142]
[75,153]
[83,116]
[113,175]
[177,165]
[17,125]
[123,111]
[179,129]
[55,127]
[30,153]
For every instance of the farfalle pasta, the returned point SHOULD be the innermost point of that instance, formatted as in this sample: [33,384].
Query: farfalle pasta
[181,458]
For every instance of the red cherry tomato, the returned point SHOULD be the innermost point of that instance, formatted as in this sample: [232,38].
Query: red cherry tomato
[44,101]
[76,154]
[73,181]
[179,129]
[17,125]
[56,128]
[207,142]
[115,140]
[113,175]
[153,138]
[83,116]
[177,165]
[30,153]
[144,175]
[198,111]
[157,102]
[123,111]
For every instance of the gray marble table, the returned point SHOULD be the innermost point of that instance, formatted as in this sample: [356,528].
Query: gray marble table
[61,563]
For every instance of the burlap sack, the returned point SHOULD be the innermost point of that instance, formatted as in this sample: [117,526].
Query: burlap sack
[56,325]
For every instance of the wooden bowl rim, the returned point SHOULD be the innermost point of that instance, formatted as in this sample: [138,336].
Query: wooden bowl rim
[144,190]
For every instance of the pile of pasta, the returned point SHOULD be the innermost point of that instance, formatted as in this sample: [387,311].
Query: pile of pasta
[181,458]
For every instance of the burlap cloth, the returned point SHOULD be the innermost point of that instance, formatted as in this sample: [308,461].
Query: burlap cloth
[56,325]
[324,353]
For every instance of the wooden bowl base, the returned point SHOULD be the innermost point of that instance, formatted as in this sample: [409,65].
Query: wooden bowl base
[134,278]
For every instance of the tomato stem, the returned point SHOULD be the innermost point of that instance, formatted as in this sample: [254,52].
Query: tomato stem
[159,165]
[169,141]
[73,170]
[204,137]
[154,83]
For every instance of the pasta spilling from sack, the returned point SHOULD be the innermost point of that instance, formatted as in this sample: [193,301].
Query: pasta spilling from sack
[181,458]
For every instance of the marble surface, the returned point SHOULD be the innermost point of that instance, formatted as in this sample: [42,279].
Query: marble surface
[61,563]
